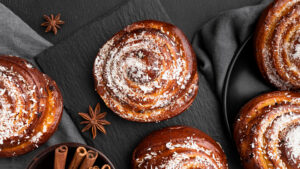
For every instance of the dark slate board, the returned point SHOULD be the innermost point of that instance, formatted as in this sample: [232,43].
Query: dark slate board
[70,64]
[80,12]
[75,13]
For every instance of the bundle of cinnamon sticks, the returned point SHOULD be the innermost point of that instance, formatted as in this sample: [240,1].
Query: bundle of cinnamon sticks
[82,159]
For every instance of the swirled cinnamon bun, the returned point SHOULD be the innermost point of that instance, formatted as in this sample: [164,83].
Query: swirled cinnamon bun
[30,106]
[267,131]
[147,72]
[277,44]
[179,147]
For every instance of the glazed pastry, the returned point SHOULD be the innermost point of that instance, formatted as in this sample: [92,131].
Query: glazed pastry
[30,106]
[147,72]
[179,147]
[277,44]
[267,131]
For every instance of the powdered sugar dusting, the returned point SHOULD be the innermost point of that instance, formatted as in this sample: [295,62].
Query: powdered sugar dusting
[276,128]
[178,159]
[11,122]
[296,55]
[19,102]
[281,35]
[293,143]
[143,72]
[36,138]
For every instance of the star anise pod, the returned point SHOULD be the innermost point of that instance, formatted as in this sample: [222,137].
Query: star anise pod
[52,23]
[95,120]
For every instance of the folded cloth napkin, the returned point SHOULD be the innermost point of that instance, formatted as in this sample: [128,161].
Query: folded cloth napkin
[18,39]
[218,40]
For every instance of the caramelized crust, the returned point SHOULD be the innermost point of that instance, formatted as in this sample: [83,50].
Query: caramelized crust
[30,106]
[179,147]
[267,131]
[277,44]
[147,72]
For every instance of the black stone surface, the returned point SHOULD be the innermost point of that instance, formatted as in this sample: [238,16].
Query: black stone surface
[189,15]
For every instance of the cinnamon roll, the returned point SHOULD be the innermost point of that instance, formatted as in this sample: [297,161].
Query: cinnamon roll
[267,131]
[277,44]
[179,147]
[30,106]
[147,72]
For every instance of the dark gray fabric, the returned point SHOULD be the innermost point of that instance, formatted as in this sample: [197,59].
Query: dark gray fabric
[218,40]
[18,39]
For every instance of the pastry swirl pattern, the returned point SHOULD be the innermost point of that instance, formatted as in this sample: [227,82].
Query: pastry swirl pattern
[267,131]
[30,106]
[278,44]
[147,72]
[179,147]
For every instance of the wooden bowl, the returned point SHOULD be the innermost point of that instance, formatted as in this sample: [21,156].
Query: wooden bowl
[45,159]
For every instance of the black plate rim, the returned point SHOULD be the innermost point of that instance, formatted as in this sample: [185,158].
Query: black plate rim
[227,81]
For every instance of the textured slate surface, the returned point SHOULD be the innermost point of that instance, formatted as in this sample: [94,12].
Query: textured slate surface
[70,64]
[78,13]
[75,13]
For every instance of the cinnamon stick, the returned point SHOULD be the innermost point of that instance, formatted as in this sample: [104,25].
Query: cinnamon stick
[89,159]
[105,166]
[78,157]
[60,157]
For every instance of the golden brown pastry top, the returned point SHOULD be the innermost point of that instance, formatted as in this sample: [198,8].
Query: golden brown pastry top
[147,72]
[30,106]
[277,44]
[178,147]
[267,131]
